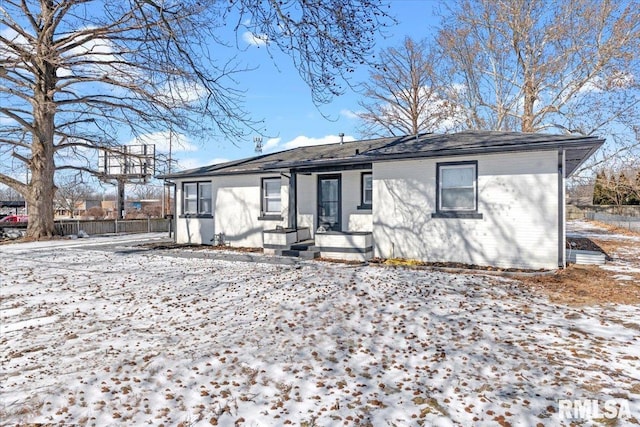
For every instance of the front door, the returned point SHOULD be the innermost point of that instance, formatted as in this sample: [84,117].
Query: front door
[329,202]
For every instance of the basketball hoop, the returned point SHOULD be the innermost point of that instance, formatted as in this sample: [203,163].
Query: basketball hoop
[126,164]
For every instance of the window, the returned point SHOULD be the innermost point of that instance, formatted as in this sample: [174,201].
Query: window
[196,198]
[204,198]
[457,190]
[271,199]
[366,190]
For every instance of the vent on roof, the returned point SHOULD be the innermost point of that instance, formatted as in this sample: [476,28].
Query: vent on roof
[341,135]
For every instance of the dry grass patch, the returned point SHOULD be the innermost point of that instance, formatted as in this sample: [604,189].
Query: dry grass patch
[610,247]
[614,229]
[586,285]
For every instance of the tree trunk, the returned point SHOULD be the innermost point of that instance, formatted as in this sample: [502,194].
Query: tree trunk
[42,164]
[40,195]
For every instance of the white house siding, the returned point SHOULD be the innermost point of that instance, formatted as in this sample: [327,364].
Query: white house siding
[236,209]
[517,196]
[197,231]
[306,201]
[354,219]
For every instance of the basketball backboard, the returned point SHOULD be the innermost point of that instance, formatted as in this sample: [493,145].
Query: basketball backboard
[127,162]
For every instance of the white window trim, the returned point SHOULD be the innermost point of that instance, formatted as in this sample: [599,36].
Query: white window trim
[364,202]
[265,198]
[198,198]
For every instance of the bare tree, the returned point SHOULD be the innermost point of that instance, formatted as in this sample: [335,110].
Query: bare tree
[568,66]
[74,72]
[9,194]
[71,191]
[404,95]
[96,212]
[617,187]
[148,192]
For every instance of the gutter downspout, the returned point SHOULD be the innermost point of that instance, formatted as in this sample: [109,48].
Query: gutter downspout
[172,215]
[562,214]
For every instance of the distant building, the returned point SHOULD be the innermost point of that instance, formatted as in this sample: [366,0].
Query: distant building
[80,209]
[13,207]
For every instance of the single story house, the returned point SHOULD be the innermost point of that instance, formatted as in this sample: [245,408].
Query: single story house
[477,197]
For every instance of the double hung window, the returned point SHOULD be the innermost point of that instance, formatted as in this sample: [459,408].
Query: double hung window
[457,190]
[196,198]
[366,190]
[271,197]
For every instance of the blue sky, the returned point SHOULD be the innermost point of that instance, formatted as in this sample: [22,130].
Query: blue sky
[277,95]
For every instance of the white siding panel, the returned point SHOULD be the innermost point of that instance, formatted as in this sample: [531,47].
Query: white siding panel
[197,231]
[237,209]
[360,222]
[517,196]
[307,201]
[354,219]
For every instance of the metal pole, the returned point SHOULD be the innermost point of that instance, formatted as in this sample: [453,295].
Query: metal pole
[120,203]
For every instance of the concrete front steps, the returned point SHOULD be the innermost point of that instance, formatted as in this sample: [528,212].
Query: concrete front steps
[305,249]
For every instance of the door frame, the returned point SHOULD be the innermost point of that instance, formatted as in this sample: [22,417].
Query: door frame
[318,198]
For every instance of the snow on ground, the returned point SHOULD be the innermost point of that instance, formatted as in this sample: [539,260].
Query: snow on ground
[101,336]
[625,260]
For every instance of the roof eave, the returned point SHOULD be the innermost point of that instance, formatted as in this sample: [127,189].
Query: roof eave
[595,145]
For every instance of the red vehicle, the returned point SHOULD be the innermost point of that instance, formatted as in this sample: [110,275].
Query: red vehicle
[13,219]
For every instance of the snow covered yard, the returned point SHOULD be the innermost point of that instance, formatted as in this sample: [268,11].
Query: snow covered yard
[622,247]
[105,337]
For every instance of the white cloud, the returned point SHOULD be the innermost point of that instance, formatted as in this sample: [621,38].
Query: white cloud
[92,56]
[613,81]
[189,163]
[349,114]
[255,39]
[271,144]
[181,92]
[305,141]
[594,85]
[8,121]
[163,140]
[15,38]
[217,160]
[195,162]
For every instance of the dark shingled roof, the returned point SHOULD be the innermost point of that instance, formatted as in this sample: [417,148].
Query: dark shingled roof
[578,149]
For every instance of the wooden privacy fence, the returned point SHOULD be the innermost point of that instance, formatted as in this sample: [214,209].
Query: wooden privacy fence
[110,226]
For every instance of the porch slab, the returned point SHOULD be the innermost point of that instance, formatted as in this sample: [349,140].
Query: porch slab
[282,238]
[352,246]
